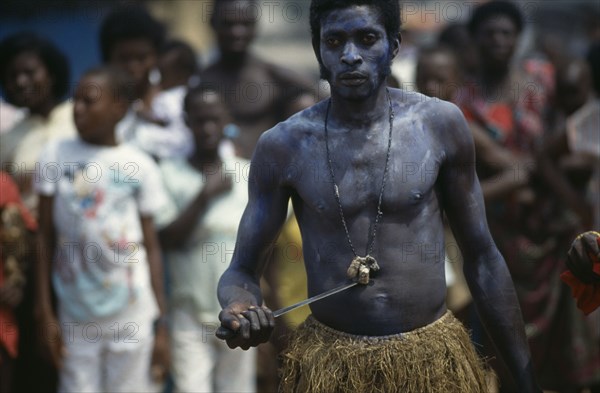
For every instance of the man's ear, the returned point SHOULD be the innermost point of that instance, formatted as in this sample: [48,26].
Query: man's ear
[397,42]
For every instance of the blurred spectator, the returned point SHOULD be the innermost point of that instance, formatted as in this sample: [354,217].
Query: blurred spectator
[209,194]
[437,73]
[505,105]
[457,37]
[34,75]
[130,38]
[258,94]
[16,227]
[570,159]
[177,63]
[100,250]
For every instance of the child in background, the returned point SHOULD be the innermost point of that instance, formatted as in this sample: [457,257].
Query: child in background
[130,39]
[177,63]
[208,194]
[97,200]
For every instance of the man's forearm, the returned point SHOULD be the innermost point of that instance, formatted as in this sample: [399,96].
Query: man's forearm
[45,251]
[498,308]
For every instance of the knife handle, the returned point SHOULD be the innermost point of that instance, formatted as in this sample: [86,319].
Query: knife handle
[224,333]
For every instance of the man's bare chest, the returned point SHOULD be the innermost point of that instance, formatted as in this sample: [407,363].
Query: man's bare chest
[358,176]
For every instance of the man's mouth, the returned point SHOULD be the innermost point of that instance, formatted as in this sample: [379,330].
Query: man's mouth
[353,78]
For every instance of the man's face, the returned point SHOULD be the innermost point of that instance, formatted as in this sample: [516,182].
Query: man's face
[235,26]
[497,38]
[355,51]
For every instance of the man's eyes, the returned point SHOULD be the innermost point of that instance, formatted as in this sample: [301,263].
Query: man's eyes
[332,41]
[364,39]
[369,39]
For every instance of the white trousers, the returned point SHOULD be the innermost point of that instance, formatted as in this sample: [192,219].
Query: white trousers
[104,361]
[202,363]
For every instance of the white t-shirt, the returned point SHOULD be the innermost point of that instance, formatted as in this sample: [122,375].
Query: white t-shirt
[100,270]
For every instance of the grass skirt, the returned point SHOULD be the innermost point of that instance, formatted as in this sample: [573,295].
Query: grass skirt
[438,357]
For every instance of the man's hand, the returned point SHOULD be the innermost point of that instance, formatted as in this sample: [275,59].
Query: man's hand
[11,295]
[252,325]
[216,184]
[161,355]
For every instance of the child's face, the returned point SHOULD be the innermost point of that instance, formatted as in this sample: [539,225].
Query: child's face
[437,76]
[136,56]
[206,117]
[96,109]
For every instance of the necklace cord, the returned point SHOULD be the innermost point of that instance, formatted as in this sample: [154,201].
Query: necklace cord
[336,191]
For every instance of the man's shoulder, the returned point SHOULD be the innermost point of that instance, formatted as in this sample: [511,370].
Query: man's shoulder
[293,132]
[430,109]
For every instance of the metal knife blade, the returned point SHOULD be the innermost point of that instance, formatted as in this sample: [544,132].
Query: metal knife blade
[225,333]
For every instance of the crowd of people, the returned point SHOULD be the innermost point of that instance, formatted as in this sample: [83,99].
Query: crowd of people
[120,206]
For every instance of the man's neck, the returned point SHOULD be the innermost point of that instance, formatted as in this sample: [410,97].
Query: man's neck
[234,61]
[360,113]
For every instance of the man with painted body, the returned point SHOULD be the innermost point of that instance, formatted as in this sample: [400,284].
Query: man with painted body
[431,172]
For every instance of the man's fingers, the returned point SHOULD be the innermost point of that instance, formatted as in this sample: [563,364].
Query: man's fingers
[229,320]
[262,317]
[251,316]
[244,327]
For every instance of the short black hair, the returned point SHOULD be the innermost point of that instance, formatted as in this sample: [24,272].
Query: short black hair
[187,60]
[54,60]
[492,9]
[129,22]
[389,9]
[122,86]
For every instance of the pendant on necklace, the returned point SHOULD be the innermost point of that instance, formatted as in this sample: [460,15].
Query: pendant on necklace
[361,267]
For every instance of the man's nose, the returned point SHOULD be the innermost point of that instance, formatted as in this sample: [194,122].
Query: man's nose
[350,55]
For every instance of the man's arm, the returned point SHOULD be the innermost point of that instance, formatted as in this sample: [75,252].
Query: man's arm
[52,347]
[239,288]
[160,355]
[484,267]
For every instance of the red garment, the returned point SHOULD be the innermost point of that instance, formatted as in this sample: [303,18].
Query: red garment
[9,333]
[587,295]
